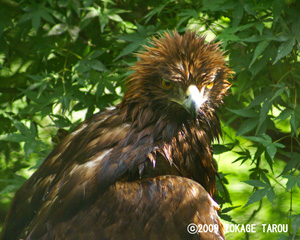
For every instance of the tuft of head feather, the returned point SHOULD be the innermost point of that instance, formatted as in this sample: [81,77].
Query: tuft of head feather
[183,60]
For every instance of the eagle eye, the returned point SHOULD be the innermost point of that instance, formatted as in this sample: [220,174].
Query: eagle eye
[166,84]
[210,85]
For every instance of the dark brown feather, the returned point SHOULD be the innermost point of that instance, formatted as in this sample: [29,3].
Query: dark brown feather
[144,204]
[134,171]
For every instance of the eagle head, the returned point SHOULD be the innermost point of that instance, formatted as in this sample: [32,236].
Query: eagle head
[181,77]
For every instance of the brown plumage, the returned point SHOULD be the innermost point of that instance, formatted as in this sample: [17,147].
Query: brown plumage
[135,171]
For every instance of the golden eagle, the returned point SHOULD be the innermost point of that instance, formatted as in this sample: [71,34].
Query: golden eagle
[142,170]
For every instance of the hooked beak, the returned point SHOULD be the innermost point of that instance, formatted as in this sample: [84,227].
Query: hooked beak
[193,100]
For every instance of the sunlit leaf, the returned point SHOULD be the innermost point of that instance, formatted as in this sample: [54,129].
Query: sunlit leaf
[284,114]
[58,29]
[13,137]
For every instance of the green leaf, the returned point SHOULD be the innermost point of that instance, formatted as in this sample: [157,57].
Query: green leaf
[296,224]
[295,29]
[294,162]
[277,9]
[259,50]
[59,16]
[271,195]
[278,92]
[269,160]
[229,209]
[21,127]
[247,126]
[271,150]
[130,48]
[218,148]
[103,20]
[100,89]
[291,181]
[257,196]
[284,49]
[284,114]
[266,107]
[256,38]
[46,16]
[265,178]
[279,145]
[156,10]
[33,130]
[95,54]
[13,137]
[259,140]
[298,180]
[82,66]
[244,112]
[260,27]
[29,147]
[244,156]
[259,151]
[115,17]
[256,183]
[283,237]
[237,14]
[190,13]
[61,121]
[58,29]
[259,99]
[86,51]
[13,184]
[25,17]
[250,8]
[259,64]
[97,65]
[73,32]
[95,77]
[93,12]
[295,120]
[36,20]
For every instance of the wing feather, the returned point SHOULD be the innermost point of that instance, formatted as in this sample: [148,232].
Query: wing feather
[154,208]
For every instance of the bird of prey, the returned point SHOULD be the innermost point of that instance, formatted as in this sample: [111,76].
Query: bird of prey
[142,170]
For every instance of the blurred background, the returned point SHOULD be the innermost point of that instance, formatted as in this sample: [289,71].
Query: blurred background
[61,61]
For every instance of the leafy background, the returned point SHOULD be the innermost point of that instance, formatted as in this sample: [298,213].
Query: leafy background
[61,61]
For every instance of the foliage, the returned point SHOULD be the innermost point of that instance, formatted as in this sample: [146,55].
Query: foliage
[61,61]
